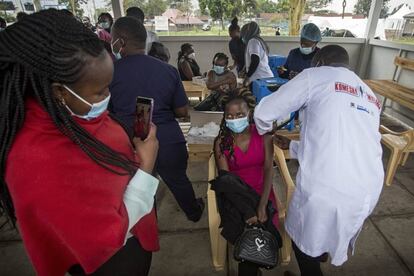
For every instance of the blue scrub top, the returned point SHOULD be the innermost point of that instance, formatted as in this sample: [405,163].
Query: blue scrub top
[142,75]
[297,62]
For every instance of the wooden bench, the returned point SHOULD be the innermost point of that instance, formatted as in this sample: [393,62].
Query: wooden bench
[391,89]
[399,143]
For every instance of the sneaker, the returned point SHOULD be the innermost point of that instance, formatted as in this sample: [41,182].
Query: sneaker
[201,204]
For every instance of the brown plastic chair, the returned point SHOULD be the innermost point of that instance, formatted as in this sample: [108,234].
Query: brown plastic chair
[280,158]
[218,243]
[400,145]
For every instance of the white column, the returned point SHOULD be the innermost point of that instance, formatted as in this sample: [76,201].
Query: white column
[374,13]
[118,8]
[373,17]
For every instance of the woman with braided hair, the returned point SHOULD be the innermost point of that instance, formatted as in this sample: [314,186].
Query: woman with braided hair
[240,149]
[79,190]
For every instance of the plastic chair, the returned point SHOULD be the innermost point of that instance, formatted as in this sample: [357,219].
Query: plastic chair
[280,159]
[400,144]
[217,242]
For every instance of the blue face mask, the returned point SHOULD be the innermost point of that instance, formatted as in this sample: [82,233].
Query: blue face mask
[218,69]
[117,55]
[238,125]
[306,50]
[97,109]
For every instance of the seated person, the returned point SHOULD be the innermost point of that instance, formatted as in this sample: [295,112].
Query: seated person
[240,149]
[300,58]
[187,65]
[220,80]
[159,51]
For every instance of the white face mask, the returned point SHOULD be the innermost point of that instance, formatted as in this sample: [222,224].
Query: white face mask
[117,55]
[191,56]
[306,50]
[97,109]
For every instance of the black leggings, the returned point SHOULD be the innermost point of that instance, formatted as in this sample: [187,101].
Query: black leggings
[131,259]
[248,269]
[309,266]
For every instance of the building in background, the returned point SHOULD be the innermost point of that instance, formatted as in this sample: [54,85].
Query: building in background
[408,29]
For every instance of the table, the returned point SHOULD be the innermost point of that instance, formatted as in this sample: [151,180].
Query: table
[393,91]
[195,90]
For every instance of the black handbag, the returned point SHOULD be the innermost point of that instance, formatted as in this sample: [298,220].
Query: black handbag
[258,246]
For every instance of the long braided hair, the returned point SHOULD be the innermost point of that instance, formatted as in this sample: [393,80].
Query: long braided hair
[47,47]
[225,135]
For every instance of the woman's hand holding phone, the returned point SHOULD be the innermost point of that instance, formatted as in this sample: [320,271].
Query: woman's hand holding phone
[147,150]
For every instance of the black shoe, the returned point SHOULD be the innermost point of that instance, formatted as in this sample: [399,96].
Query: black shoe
[201,205]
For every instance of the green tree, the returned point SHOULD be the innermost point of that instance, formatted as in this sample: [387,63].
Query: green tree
[133,3]
[363,7]
[78,10]
[283,6]
[155,8]
[250,7]
[314,5]
[216,8]
[296,10]
[266,6]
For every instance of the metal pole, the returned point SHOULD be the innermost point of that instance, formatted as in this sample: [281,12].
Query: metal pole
[373,17]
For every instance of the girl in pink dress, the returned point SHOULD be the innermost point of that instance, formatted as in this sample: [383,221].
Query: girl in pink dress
[240,149]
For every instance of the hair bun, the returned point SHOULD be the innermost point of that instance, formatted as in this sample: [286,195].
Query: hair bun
[235,21]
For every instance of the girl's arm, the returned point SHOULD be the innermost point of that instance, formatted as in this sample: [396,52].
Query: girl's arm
[268,178]
[186,68]
[221,161]
[212,85]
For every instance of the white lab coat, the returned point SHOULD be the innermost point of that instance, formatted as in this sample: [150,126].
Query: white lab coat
[341,173]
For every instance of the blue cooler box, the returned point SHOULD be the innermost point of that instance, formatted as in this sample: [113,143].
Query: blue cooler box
[265,87]
[276,61]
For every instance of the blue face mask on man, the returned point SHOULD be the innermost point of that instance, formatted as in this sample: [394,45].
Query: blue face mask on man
[238,125]
[218,69]
[97,109]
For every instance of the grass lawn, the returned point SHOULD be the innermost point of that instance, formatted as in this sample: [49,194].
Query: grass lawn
[406,40]
[215,31]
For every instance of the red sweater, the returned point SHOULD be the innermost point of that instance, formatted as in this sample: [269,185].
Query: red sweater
[69,209]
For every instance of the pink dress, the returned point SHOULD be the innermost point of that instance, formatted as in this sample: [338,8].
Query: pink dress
[249,166]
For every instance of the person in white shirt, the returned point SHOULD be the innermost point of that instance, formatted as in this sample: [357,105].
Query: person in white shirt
[340,156]
[256,57]
[151,36]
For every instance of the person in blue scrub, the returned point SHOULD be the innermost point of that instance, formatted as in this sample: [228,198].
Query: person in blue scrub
[300,58]
[137,74]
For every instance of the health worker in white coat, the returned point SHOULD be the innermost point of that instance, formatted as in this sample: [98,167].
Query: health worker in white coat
[341,173]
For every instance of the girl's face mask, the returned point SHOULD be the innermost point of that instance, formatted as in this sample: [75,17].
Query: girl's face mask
[218,69]
[238,125]
[97,109]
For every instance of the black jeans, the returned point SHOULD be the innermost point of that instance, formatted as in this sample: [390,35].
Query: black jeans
[130,260]
[309,266]
[172,167]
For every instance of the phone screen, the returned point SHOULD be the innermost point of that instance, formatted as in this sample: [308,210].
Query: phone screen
[143,117]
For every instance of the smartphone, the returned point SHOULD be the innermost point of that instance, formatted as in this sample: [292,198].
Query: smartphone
[143,117]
